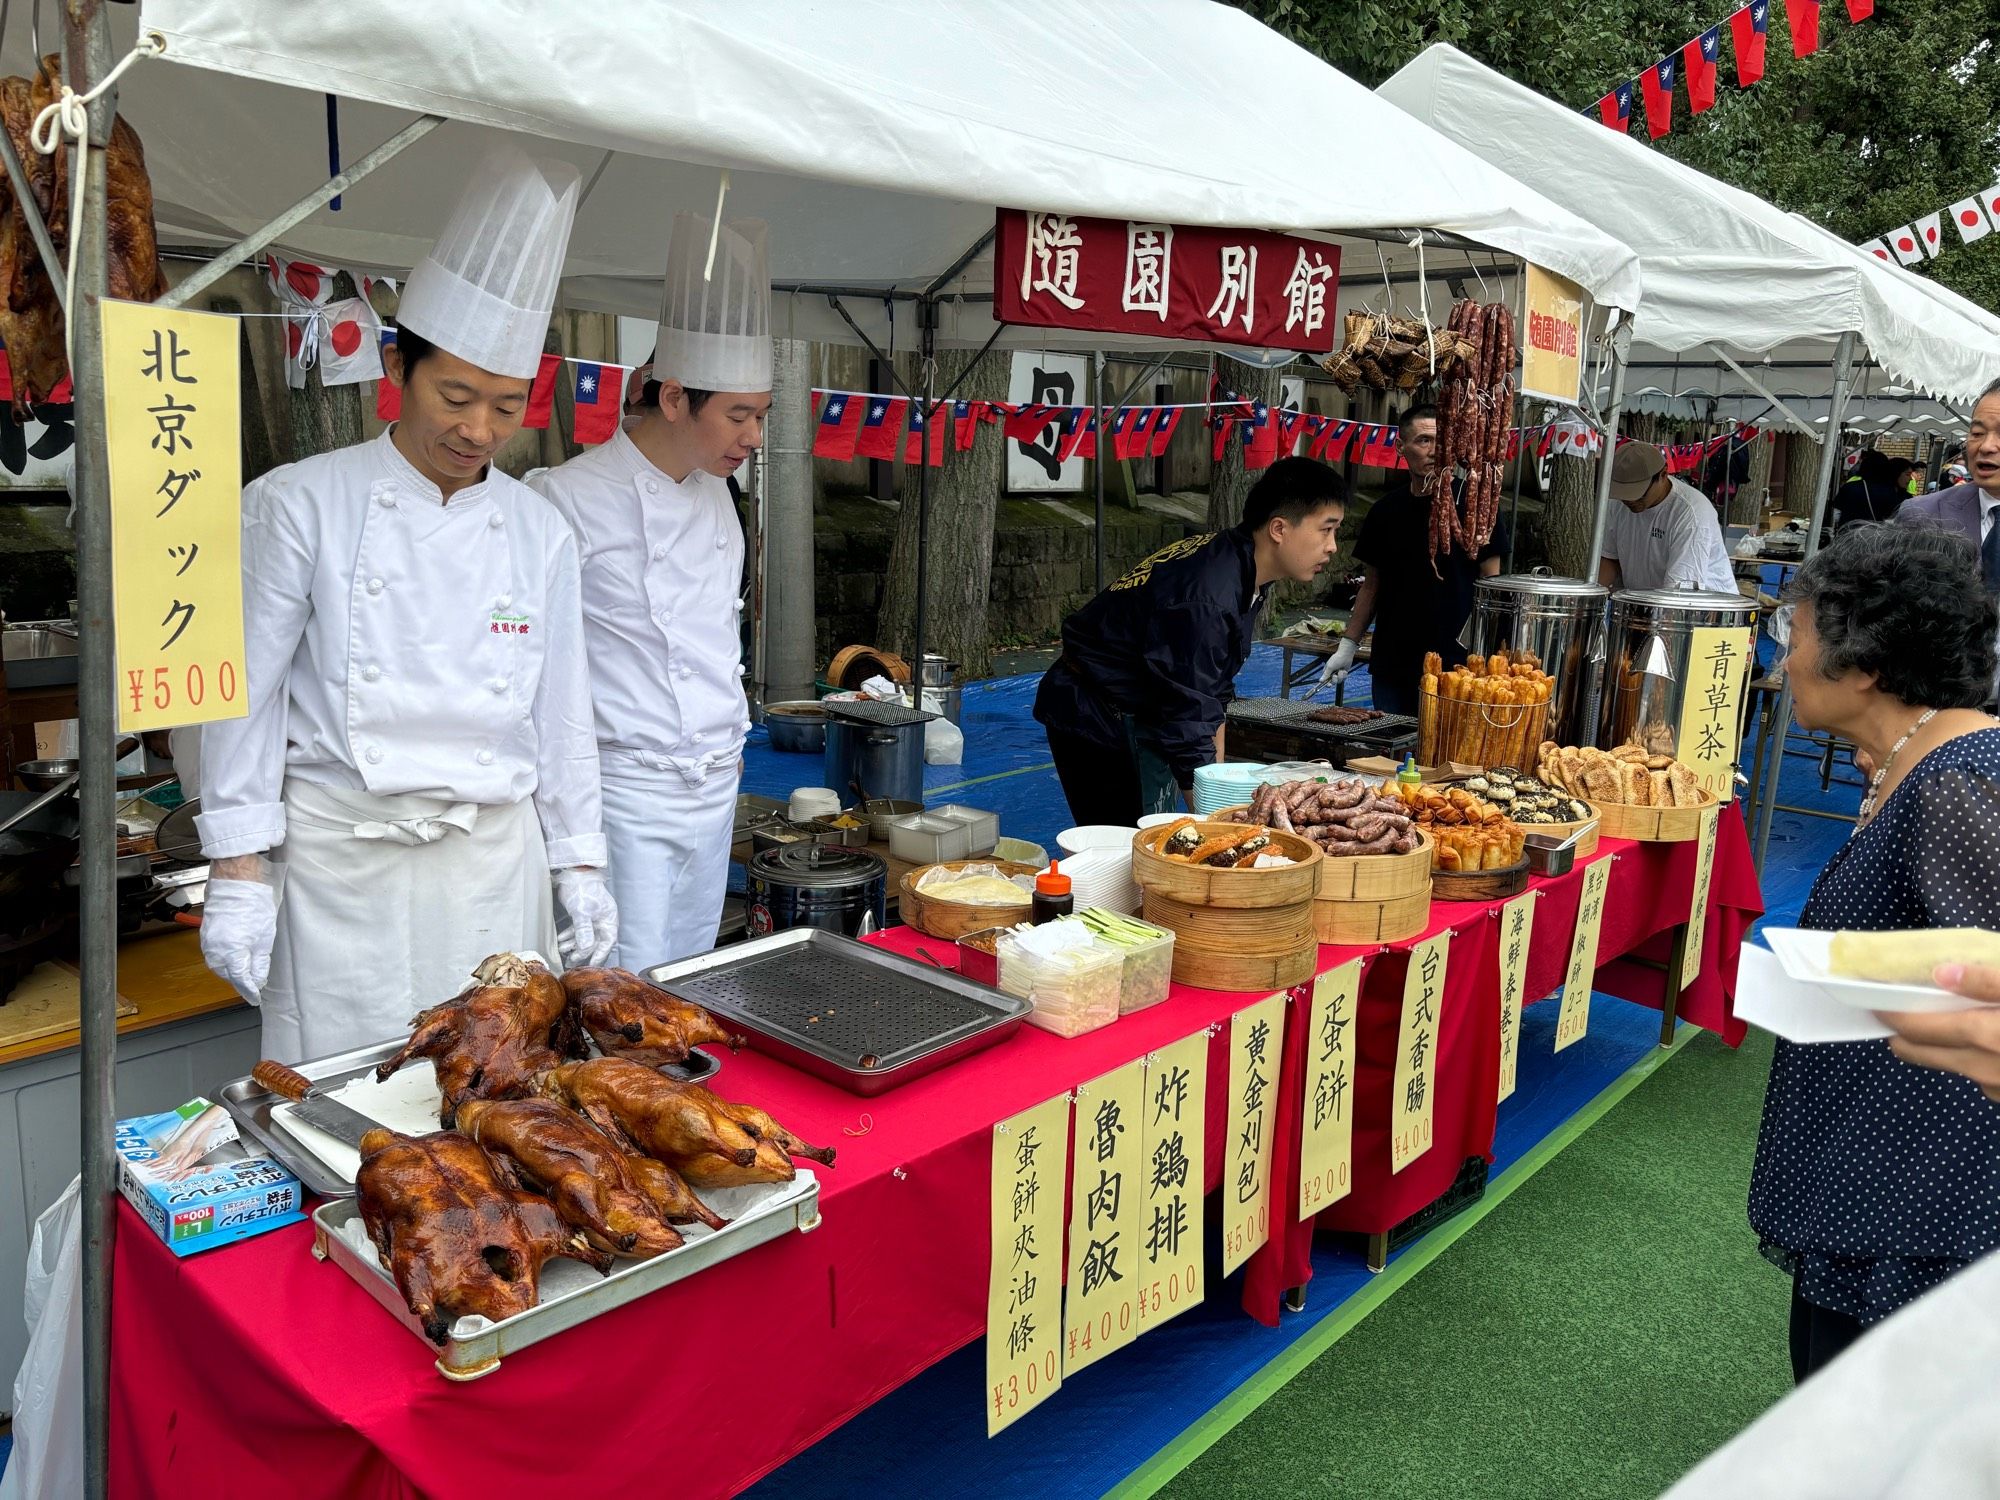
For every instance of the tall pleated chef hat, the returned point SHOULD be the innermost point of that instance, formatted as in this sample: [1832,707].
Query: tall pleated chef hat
[715,321]
[488,287]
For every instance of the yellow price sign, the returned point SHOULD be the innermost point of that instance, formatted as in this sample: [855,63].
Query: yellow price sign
[1552,349]
[1573,1020]
[1106,1194]
[1170,1216]
[1410,1098]
[1517,930]
[1024,1283]
[1256,1041]
[1704,882]
[1326,1140]
[173,433]
[1712,705]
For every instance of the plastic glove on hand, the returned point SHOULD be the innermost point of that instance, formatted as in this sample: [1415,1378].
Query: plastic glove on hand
[585,897]
[239,924]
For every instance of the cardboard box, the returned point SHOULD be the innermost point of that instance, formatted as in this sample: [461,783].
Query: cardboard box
[191,1179]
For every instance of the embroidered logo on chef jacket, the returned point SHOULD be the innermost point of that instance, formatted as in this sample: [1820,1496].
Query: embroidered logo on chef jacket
[503,623]
[1172,552]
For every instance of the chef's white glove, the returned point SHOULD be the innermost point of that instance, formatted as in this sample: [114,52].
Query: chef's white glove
[239,923]
[1338,665]
[593,916]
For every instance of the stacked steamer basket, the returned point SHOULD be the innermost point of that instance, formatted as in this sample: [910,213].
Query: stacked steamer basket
[1375,879]
[1235,928]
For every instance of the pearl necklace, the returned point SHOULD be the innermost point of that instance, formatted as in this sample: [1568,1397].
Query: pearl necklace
[1881,773]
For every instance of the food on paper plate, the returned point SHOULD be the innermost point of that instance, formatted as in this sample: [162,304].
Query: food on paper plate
[710,1141]
[492,1041]
[1525,799]
[1909,957]
[1469,834]
[458,1240]
[1629,775]
[627,1017]
[1343,818]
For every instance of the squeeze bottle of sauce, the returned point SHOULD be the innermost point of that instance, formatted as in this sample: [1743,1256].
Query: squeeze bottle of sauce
[1052,895]
[1410,775]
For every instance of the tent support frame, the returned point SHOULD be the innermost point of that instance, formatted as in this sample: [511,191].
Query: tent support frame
[1761,389]
[1829,458]
[1621,345]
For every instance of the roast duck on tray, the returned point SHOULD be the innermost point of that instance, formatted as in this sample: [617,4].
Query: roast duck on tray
[545,1152]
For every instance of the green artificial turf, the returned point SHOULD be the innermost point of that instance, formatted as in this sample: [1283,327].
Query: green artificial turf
[1597,1334]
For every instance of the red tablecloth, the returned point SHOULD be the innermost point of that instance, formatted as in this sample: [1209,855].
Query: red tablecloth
[256,1369]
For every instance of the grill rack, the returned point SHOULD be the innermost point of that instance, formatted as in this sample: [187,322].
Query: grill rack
[1295,716]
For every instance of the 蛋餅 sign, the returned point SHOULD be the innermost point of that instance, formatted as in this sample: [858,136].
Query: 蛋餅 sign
[1552,342]
[1175,281]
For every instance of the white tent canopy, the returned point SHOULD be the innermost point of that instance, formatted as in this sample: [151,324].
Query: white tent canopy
[876,138]
[1723,268]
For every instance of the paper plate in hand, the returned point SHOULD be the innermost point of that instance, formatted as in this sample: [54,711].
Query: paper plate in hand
[1804,955]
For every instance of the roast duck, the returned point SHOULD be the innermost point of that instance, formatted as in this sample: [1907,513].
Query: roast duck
[31,319]
[546,1152]
[456,1230]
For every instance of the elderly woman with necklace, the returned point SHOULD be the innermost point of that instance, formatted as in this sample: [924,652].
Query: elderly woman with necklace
[1874,1179]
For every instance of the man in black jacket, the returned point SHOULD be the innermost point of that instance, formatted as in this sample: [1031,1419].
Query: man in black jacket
[1148,668]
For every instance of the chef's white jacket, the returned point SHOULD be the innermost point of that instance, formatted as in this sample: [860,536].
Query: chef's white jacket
[662,566]
[397,644]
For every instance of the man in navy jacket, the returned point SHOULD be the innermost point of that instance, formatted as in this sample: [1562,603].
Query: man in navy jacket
[1148,668]
[1970,509]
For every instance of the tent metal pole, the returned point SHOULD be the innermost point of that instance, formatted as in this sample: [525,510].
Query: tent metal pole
[1520,460]
[787,596]
[228,259]
[927,321]
[1097,466]
[1621,344]
[1829,459]
[87,56]
[1761,389]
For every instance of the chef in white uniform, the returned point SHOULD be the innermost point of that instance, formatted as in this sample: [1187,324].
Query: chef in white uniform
[418,754]
[662,565]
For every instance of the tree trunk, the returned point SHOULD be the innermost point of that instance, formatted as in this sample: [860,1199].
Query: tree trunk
[257,459]
[1567,514]
[1232,481]
[1802,475]
[326,417]
[1754,497]
[964,502]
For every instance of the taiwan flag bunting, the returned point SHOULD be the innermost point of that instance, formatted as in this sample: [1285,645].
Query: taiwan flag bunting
[1860,10]
[542,394]
[1332,444]
[1513,443]
[1288,432]
[1079,430]
[880,428]
[1699,57]
[915,449]
[1260,438]
[1165,420]
[1659,85]
[1970,220]
[1904,242]
[1139,441]
[1877,247]
[597,390]
[839,426]
[388,395]
[1026,423]
[965,419]
[1378,449]
[1615,108]
[1930,233]
[1121,432]
[1804,18]
[1748,29]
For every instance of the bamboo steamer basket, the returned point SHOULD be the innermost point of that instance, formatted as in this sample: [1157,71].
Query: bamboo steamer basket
[1236,890]
[1593,827]
[1653,825]
[1387,920]
[955,919]
[1376,877]
[1238,948]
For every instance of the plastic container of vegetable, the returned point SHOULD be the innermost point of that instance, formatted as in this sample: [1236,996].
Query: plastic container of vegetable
[1147,952]
[1060,968]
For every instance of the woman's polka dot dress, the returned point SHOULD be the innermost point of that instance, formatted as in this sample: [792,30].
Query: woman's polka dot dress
[1876,1179]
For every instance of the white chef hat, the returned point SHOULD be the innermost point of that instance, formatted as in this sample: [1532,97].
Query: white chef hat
[715,324]
[486,290]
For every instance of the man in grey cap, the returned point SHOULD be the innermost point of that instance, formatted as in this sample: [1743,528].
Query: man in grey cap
[1664,534]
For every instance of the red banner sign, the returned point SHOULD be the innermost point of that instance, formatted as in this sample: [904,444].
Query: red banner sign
[1176,281]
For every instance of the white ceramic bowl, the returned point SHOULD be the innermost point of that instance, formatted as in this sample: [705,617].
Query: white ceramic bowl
[1154,820]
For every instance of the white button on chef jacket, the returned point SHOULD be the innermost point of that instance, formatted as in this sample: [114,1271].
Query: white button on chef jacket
[335,587]
[662,575]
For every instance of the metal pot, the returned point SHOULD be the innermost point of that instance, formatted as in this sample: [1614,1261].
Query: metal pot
[1559,620]
[814,885]
[873,757]
[799,727]
[1649,674]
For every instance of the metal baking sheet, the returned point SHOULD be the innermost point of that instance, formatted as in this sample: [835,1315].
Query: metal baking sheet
[853,1013]
[1295,715]
[251,1106]
[571,1292]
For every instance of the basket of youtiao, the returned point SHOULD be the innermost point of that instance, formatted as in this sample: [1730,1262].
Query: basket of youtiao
[1374,883]
[1238,898]
[1493,711]
[1638,794]
[1480,853]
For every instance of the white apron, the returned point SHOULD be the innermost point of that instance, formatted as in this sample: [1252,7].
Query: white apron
[669,822]
[388,904]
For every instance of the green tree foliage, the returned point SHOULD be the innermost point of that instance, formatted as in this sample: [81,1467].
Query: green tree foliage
[1889,120]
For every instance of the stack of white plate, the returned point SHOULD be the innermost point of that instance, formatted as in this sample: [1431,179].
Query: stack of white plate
[1102,876]
[1225,784]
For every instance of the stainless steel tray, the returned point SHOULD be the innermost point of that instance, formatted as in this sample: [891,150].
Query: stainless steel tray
[778,1209]
[854,1014]
[250,1105]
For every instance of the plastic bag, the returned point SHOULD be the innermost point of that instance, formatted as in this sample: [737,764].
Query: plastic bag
[944,744]
[47,1461]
